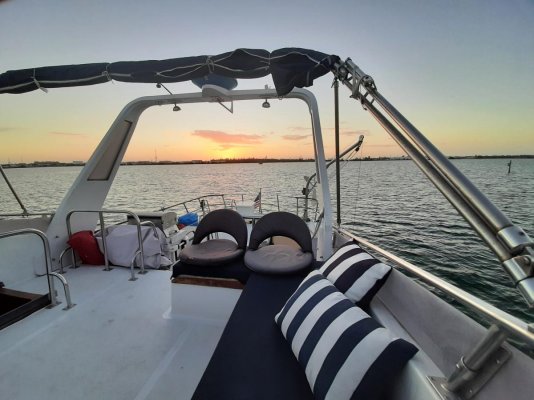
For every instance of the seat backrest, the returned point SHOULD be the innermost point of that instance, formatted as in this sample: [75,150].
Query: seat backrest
[281,223]
[223,220]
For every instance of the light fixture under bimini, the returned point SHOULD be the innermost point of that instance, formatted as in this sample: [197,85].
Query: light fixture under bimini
[266,104]
[161,85]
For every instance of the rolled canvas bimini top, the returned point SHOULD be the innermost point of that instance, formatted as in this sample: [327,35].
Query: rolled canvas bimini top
[289,67]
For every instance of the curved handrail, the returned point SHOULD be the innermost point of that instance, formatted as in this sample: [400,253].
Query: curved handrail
[48,260]
[61,268]
[154,229]
[514,326]
[103,230]
[66,288]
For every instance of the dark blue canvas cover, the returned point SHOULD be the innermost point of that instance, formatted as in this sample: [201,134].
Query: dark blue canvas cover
[289,67]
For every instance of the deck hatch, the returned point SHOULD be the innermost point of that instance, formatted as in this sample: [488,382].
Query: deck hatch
[16,305]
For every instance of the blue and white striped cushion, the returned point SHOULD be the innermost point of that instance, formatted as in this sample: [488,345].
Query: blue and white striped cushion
[345,353]
[355,273]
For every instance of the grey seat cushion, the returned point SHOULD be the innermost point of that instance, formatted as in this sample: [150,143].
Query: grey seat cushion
[277,259]
[211,252]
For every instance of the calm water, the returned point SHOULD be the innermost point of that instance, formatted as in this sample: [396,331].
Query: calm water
[391,203]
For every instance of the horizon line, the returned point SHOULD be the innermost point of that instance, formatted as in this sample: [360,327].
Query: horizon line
[248,160]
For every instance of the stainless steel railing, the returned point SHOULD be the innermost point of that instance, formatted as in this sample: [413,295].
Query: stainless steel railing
[514,326]
[101,214]
[48,264]
[220,200]
[204,204]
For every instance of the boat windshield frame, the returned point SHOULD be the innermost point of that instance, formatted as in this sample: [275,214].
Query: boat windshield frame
[94,181]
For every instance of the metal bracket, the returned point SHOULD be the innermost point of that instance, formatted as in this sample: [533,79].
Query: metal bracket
[521,271]
[514,238]
[438,384]
[353,77]
[519,268]
[488,370]
[230,109]
[478,381]
[478,366]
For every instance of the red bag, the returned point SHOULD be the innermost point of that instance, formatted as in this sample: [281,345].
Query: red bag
[85,245]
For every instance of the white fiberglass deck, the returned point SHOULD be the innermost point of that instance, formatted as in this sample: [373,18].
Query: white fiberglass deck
[118,342]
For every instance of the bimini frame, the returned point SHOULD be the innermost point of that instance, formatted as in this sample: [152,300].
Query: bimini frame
[93,183]
[509,242]
[512,246]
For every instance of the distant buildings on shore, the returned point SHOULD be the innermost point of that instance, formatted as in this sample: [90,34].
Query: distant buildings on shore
[37,164]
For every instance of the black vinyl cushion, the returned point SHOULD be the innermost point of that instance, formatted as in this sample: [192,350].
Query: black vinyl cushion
[217,251]
[211,252]
[277,259]
[252,359]
[223,220]
[281,223]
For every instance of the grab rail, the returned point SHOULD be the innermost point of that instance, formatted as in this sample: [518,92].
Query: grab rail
[514,326]
[48,260]
[66,289]
[103,230]
[61,268]
[132,266]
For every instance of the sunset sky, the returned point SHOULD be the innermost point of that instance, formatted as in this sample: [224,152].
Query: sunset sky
[461,71]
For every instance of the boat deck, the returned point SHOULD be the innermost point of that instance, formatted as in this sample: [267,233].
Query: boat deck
[120,341]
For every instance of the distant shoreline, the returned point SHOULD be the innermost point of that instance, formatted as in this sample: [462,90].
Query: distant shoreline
[41,164]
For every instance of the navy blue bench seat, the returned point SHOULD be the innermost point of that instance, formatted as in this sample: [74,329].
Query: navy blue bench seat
[252,359]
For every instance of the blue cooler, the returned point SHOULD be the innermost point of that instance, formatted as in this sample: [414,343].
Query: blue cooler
[188,219]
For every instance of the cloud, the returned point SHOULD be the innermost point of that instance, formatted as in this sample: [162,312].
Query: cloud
[71,134]
[228,140]
[381,145]
[295,137]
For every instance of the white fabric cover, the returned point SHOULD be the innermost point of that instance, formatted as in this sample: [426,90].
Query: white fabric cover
[122,244]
